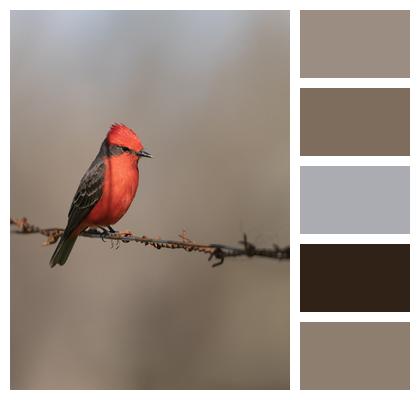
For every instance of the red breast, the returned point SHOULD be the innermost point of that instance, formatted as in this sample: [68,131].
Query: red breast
[120,185]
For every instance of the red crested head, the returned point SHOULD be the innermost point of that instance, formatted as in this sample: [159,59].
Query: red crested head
[121,135]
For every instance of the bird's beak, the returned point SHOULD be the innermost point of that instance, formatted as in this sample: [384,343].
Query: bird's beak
[144,153]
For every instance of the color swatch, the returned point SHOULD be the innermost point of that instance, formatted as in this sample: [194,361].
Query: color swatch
[356,43]
[355,122]
[355,199]
[355,355]
[355,278]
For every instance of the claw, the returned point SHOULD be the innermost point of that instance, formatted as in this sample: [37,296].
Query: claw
[103,234]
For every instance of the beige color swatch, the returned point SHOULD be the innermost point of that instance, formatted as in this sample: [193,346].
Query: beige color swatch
[374,44]
[355,355]
[355,122]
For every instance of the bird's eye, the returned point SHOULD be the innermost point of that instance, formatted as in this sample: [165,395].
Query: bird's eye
[125,148]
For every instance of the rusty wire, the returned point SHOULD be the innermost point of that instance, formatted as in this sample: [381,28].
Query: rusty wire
[215,251]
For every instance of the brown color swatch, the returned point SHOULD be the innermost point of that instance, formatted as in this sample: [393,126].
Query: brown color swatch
[355,122]
[355,355]
[355,44]
[355,277]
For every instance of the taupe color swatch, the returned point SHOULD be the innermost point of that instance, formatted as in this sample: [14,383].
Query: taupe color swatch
[355,355]
[355,44]
[355,122]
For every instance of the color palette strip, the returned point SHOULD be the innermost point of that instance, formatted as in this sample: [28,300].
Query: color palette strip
[355,278]
[370,197]
[355,122]
[355,200]
[355,44]
[351,355]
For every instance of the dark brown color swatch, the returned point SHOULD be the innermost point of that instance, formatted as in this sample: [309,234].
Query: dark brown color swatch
[355,122]
[355,355]
[350,44]
[354,277]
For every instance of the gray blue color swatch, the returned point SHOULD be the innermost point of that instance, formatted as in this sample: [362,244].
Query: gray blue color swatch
[355,200]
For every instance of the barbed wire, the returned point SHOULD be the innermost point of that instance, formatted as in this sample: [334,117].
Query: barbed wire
[218,252]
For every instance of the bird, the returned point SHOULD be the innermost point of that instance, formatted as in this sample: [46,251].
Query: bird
[106,190]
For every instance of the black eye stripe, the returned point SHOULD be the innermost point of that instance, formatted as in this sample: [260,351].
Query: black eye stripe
[115,150]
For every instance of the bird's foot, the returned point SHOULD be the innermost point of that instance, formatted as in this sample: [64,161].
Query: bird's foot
[120,233]
[97,231]
[104,232]
[111,229]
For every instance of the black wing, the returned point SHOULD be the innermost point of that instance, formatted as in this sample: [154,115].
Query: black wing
[88,193]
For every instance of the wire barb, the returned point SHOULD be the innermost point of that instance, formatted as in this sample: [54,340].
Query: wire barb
[219,252]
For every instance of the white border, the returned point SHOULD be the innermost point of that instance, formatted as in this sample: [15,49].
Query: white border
[210,5]
[5,200]
[354,317]
[355,82]
[294,6]
[310,238]
[355,161]
[294,199]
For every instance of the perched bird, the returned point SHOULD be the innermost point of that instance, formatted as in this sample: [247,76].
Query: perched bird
[106,190]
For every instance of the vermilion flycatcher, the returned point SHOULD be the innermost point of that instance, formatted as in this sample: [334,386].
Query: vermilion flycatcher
[106,190]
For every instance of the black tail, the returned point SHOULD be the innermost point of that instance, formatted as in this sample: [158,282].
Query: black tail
[63,250]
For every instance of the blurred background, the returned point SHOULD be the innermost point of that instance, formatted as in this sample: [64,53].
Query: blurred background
[208,94]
